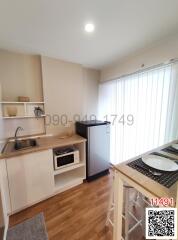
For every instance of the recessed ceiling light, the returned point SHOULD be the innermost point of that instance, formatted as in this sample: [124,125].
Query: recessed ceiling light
[89,27]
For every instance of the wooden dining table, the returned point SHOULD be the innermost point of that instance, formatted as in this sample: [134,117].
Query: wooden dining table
[151,189]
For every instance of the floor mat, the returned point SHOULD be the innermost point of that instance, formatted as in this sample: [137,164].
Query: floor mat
[31,229]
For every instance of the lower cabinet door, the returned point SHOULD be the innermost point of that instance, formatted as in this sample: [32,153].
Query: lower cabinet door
[30,178]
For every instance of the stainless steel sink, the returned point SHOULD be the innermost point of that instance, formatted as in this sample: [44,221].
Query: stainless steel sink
[24,144]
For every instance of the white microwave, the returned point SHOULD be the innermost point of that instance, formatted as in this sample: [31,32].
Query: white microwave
[64,157]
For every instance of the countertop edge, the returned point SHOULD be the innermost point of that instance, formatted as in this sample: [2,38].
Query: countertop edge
[58,143]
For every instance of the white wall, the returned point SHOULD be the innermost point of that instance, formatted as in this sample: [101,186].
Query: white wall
[30,126]
[69,90]
[20,75]
[158,53]
[91,81]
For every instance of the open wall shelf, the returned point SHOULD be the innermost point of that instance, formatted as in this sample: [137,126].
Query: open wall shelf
[24,109]
[69,179]
[72,175]
[18,117]
[4,102]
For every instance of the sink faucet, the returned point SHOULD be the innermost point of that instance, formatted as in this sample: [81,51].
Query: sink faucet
[16,131]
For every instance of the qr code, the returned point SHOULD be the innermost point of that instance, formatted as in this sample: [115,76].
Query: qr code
[161,223]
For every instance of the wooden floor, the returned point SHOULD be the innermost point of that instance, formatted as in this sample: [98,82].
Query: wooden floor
[1,232]
[77,214]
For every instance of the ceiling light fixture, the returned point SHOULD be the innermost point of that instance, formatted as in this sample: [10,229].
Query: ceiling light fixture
[89,27]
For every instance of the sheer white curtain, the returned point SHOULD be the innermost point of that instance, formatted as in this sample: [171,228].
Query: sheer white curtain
[142,109]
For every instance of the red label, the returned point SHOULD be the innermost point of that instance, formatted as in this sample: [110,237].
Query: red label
[163,202]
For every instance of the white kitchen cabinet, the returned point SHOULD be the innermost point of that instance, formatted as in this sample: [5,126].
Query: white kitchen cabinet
[30,178]
[4,184]
[5,207]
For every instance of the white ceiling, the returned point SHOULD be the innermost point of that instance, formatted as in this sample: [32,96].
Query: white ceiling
[55,27]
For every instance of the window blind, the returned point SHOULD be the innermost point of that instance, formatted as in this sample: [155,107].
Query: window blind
[142,109]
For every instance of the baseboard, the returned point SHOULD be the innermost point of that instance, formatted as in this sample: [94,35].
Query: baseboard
[96,176]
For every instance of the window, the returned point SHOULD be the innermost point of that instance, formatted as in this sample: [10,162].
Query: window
[142,109]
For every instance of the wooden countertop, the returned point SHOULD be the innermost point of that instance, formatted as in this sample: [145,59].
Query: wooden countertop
[150,185]
[44,143]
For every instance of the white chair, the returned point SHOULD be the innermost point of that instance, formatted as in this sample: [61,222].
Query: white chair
[126,213]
